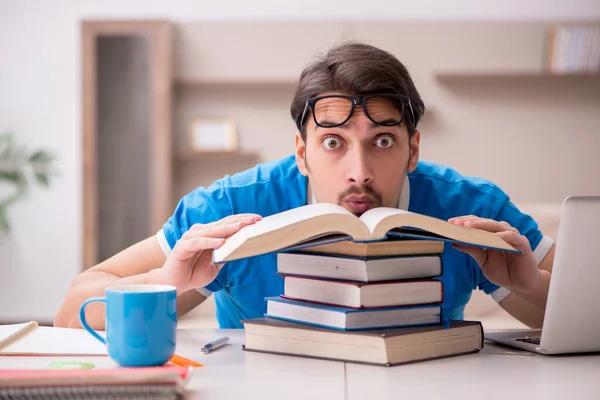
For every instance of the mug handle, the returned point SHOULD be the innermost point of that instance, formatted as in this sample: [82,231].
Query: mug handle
[84,322]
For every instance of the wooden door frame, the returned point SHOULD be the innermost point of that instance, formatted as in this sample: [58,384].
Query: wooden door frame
[158,33]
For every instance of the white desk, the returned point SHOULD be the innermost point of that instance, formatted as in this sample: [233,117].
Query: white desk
[495,373]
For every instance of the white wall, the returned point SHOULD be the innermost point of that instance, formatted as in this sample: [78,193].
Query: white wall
[40,101]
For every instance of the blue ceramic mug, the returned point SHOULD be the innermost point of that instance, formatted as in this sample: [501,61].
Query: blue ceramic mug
[141,321]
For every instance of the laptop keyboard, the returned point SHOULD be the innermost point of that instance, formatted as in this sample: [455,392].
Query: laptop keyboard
[532,340]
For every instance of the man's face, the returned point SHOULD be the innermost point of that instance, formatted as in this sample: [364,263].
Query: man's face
[359,165]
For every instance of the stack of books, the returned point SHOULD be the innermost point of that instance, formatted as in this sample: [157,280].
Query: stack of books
[358,289]
[354,286]
[383,294]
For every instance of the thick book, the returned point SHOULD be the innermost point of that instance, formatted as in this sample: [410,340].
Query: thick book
[348,319]
[378,347]
[360,269]
[363,295]
[166,382]
[391,247]
[321,223]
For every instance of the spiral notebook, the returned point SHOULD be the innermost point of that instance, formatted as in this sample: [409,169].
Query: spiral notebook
[166,382]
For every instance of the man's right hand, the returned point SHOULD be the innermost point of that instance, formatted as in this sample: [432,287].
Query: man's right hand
[189,265]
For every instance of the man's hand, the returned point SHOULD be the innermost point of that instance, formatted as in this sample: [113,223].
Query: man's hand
[189,265]
[517,272]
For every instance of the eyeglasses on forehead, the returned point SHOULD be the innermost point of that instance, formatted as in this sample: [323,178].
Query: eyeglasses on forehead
[364,101]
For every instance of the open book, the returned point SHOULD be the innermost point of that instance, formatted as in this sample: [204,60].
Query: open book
[316,224]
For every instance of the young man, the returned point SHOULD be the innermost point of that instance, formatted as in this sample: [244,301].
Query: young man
[357,145]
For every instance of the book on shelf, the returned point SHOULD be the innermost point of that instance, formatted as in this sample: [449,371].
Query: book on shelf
[573,49]
[166,382]
[347,319]
[321,223]
[363,295]
[360,270]
[378,347]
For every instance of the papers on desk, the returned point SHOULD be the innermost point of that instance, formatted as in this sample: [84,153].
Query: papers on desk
[28,339]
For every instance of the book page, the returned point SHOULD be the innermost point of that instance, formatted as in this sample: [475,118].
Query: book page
[291,227]
[293,216]
[384,221]
[375,215]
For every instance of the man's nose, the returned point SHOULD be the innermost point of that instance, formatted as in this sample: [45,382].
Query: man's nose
[359,171]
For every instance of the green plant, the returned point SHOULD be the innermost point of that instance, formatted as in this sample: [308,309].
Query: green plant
[20,168]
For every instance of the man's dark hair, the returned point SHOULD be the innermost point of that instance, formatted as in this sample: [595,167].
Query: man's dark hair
[357,69]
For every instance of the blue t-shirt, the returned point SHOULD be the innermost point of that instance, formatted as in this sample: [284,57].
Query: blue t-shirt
[241,286]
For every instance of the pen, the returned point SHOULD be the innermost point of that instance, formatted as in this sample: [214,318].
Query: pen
[215,344]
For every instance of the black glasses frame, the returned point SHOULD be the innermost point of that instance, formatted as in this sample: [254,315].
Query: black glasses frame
[356,100]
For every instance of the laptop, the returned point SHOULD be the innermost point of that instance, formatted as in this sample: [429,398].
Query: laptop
[572,318]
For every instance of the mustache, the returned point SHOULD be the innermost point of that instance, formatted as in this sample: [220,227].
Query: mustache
[364,189]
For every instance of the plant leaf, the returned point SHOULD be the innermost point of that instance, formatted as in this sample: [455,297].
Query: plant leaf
[22,168]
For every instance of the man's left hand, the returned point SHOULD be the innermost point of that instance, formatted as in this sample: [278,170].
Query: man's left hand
[516,272]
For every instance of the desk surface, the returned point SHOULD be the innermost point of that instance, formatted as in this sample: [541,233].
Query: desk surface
[495,373]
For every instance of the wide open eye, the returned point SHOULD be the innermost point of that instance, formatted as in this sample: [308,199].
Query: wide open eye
[385,141]
[332,142]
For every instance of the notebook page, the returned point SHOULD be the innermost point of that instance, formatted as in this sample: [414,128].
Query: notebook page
[12,332]
[56,341]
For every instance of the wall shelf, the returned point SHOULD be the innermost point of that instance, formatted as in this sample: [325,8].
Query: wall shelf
[233,83]
[215,155]
[498,75]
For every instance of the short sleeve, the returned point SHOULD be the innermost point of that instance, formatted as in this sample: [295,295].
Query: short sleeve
[202,206]
[526,225]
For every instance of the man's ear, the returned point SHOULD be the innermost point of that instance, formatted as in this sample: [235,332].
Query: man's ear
[414,151]
[301,154]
